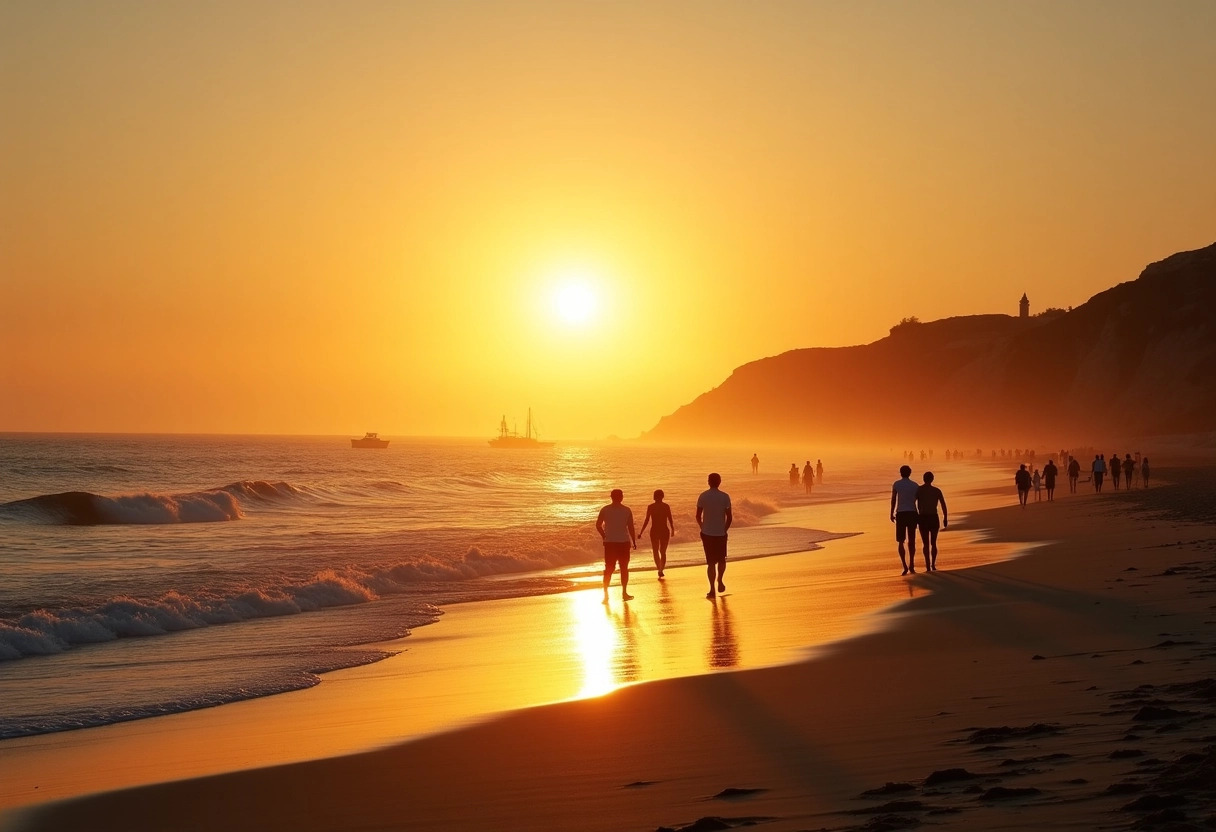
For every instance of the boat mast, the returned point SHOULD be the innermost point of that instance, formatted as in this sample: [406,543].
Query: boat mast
[528,427]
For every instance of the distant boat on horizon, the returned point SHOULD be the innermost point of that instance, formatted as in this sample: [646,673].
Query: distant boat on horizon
[369,440]
[511,439]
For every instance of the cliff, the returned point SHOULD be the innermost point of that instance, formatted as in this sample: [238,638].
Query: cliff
[1137,359]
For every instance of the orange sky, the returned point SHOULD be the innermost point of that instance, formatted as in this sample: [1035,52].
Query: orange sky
[336,217]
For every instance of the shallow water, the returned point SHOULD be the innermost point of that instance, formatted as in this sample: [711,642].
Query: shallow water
[150,575]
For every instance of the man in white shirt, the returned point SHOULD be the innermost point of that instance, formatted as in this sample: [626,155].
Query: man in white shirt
[714,517]
[904,516]
[615,526]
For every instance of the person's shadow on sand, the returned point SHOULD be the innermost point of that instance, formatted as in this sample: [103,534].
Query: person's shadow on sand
[723,647]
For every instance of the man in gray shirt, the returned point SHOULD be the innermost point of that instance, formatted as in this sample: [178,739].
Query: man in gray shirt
[714,517]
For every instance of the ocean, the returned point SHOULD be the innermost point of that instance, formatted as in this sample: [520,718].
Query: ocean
[146,575]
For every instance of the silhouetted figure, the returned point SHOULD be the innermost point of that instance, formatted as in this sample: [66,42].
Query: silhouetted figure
[661,531]
[903,515]
[714,517]
[794,474]
[1036,481]
[927,498]
[1116,470]
[1022,480]
[1049,479]
[1074,473]
[808,477]
[1129,471]
[1144,471]
[615,527]
[1099,472]
[755,463]
[819,472]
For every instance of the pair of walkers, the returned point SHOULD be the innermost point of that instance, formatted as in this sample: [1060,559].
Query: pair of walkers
[913,509]
[615,527]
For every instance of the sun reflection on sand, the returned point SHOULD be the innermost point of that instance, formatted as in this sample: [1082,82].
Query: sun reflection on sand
[606,640]
[596,638]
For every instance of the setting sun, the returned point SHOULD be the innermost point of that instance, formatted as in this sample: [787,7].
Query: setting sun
[575,303]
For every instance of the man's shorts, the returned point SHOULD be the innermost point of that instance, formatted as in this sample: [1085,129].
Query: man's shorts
[715,548]
[615,553]
[905,524]
[928,522]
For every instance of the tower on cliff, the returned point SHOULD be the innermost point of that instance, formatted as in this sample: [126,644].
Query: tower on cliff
[1024,307]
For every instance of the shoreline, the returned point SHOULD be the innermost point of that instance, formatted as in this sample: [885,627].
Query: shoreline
[68,764]
[1024,674]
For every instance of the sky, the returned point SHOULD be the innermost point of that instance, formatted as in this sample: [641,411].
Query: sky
[418,217]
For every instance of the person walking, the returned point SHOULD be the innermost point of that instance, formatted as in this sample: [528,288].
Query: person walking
[1129,471]
[714,517]
[755,464]
[1144,471]
[1116,470]
[1036,480]
[818,472]
[928,496]
[808,477]
[1022,480]
[1099,471]
[1074,474]
[664,526]
[615,527]
[904,516]
[794,474]
[1049,479]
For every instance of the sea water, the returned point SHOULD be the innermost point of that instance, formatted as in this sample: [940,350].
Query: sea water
[143,575]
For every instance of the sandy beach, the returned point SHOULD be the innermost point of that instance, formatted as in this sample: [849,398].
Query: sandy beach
[1071,687]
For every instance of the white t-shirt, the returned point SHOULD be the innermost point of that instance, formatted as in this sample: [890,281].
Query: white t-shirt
[714,504]
[905,494]
[617,518]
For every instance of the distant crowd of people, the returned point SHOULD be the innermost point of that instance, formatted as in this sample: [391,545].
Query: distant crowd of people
[808,476]
[1125,472]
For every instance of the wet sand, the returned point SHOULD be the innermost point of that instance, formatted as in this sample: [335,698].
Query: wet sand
[1023,675]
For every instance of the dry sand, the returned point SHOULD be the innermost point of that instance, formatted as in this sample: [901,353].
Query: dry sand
[1071,688]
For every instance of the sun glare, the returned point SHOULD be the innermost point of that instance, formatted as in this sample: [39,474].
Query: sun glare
[574,302]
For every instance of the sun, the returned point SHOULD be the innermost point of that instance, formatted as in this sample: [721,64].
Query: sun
[575,302]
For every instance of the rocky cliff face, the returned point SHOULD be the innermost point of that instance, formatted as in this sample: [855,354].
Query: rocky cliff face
[1137,359]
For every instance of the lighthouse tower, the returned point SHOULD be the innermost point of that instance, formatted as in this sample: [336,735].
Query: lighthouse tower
[1024,307]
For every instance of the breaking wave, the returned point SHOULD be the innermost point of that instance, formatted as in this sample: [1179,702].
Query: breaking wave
[82,508]
[45,632]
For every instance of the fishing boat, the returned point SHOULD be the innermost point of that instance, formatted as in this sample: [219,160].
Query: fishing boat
[370,440]
[508,438]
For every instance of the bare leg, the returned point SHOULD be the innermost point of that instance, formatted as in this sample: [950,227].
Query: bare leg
[902,557]
[662,557]
[924,545]
[931,550]
[608,569]
[625,596]
[709,571]
[721,574]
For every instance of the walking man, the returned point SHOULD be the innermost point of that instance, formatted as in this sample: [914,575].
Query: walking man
[903,515]
[714,517]
[615,526]
[927,498]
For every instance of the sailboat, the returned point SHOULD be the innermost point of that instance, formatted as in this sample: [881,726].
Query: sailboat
[508,438]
